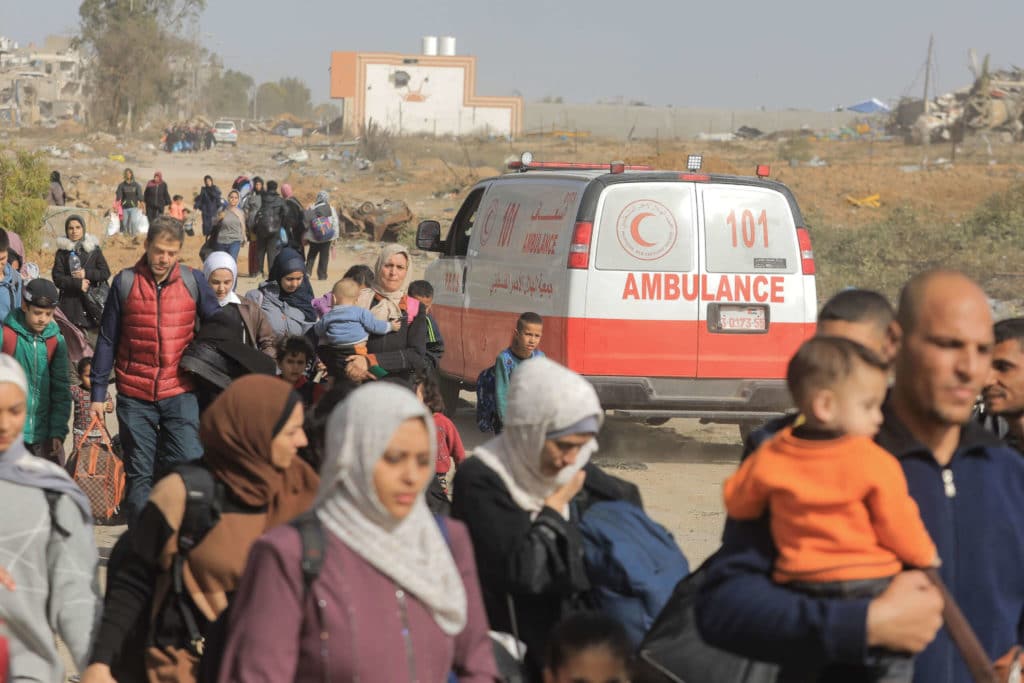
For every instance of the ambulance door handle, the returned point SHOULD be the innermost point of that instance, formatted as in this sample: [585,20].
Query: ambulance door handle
[465,269]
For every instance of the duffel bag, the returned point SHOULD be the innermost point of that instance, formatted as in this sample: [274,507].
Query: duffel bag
[99,472]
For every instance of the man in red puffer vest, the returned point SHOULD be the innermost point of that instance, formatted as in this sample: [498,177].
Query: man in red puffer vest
[148,322]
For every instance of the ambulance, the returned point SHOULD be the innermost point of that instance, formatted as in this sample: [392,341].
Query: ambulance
[675,293]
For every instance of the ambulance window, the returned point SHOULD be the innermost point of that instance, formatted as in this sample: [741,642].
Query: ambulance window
[646,227]
[749,230]
[462,226]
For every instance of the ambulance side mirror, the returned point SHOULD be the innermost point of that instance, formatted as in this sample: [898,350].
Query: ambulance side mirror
[428,236]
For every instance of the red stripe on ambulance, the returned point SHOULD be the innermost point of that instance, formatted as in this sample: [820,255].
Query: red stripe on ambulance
[675,286]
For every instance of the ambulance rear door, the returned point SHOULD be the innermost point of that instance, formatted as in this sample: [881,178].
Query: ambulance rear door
[641,299]
[753,308]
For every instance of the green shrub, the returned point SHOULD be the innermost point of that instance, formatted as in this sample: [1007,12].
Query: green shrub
[24,181]
[988,245]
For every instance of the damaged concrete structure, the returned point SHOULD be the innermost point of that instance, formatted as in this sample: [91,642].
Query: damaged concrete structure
[995,102]
[41,86]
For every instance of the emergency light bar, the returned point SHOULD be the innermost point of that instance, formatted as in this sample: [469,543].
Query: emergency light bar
[526,163]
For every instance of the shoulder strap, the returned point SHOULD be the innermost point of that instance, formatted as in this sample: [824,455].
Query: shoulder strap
[52,498]
[124,285]
[51,348]
[10,341]
[203,494]
[188,277]
[311,533]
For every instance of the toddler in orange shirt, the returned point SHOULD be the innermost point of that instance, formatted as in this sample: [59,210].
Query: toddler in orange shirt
[841,516]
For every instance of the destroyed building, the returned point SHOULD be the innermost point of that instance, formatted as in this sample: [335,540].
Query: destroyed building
[41,86]
[994,102]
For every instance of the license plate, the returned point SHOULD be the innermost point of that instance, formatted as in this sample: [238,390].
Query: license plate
[742,319]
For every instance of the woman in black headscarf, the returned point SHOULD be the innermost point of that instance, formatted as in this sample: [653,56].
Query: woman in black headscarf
[287,297]
[57,196]
[208,202]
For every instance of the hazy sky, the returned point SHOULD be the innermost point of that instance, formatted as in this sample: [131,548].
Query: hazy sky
[743,53]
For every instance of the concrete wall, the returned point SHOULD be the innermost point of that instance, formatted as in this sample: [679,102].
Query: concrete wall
[432,102]
[617,121]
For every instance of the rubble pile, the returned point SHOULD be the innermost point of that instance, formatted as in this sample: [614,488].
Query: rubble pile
[995,102]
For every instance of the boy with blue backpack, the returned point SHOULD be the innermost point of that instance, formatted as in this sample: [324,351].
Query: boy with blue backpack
[492,384]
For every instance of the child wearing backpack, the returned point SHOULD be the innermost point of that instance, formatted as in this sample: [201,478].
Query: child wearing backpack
[321,228]
[32,337]
[841,515]
[492,384]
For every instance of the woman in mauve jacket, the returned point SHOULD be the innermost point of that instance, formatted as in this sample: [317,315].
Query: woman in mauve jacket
[396,598]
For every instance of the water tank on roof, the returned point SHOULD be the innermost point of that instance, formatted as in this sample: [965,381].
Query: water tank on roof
[430,46]
[448,46]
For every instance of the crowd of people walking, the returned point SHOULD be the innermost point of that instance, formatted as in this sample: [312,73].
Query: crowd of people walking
[299,506]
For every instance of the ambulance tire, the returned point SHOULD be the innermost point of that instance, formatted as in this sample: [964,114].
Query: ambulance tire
[450,390]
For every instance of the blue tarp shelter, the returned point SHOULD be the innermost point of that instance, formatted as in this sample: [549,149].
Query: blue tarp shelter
[872,106]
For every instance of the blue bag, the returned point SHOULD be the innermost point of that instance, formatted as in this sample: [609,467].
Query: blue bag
[487,402]
[633,564]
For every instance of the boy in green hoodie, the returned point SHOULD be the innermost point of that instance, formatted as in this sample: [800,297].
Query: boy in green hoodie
[38,346]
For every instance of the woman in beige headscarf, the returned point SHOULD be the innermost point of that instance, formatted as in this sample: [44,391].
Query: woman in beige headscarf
[398,353]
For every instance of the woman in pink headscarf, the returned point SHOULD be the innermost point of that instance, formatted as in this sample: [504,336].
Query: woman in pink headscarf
[156,197]
[294,221]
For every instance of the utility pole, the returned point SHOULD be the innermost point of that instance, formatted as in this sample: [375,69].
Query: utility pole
[926,133]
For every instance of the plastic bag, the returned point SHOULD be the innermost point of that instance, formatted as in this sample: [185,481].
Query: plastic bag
[113,225]
[141,224]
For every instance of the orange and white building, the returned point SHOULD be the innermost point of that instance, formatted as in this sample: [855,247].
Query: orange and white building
[432,93]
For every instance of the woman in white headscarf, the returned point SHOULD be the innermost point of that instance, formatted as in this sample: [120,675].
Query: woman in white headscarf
[47,548]
[394,600]
[243,319]
[403,352]
[520,493]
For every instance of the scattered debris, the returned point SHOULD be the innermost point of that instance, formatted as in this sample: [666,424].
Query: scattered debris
[748,133]
[284,159]
[870,202]
[376,219]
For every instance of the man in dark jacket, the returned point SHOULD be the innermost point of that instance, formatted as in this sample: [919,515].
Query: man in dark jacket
[860,315]
[144,332]
[967,485]
[129,193]
[156,196]
[267,226]
[1004,393]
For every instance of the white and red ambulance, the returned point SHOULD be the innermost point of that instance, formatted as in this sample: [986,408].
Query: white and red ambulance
[675,293]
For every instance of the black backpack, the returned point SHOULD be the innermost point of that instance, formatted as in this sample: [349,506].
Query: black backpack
[204,500]
[264,223]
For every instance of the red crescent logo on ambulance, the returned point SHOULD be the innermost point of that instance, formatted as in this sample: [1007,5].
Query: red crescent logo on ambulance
[489,220]
[634,230]
[659,230]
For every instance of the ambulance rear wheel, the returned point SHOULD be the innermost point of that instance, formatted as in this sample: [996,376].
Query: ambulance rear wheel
[450,390]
